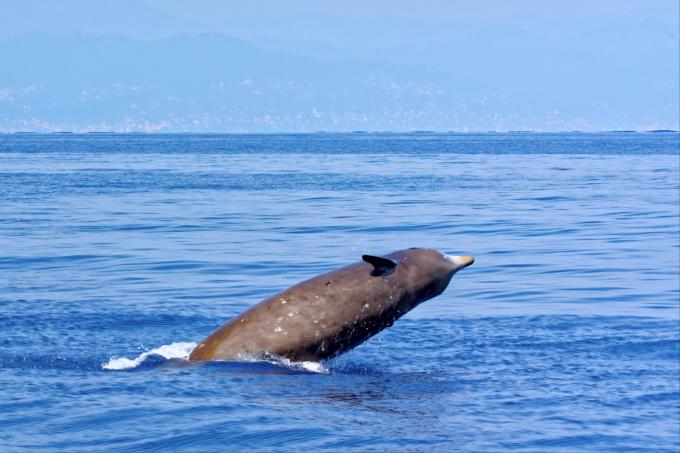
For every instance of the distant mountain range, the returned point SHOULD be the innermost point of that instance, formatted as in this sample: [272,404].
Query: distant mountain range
[215,83]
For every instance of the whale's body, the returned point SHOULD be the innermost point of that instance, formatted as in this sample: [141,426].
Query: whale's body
[334,312]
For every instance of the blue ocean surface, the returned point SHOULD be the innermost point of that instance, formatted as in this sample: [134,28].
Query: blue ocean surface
[118,253]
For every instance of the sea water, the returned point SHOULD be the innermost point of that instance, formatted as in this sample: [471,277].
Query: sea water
[119,252]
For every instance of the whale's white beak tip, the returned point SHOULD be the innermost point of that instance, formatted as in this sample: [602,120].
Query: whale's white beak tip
[460,261]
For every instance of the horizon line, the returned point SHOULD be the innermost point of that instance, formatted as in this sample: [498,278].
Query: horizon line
[415,132]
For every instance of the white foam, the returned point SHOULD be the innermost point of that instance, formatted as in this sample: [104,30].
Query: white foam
[179,350]
[312,367]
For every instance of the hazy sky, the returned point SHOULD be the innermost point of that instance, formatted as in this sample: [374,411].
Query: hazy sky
[352,24]
[550,65]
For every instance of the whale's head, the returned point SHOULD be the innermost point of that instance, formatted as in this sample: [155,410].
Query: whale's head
[428,271]
[434,262]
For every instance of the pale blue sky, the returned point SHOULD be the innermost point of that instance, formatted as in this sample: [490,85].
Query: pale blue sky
[379,65]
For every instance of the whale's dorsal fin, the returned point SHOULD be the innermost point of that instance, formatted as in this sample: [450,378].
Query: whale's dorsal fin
[381,266]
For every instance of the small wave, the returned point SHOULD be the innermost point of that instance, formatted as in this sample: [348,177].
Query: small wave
[179,350]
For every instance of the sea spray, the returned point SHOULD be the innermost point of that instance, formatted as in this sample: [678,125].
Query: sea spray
[179,350]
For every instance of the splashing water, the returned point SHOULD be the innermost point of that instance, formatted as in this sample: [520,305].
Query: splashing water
[179,350]
[313,367]
[308,365]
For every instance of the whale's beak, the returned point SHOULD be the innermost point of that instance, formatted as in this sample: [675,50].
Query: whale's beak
[460,262]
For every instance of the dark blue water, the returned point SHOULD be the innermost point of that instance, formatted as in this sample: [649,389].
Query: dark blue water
[119,252]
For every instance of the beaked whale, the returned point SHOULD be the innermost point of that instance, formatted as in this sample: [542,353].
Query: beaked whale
[334,312]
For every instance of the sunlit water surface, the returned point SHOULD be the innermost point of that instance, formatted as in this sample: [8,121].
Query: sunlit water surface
[119,252]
